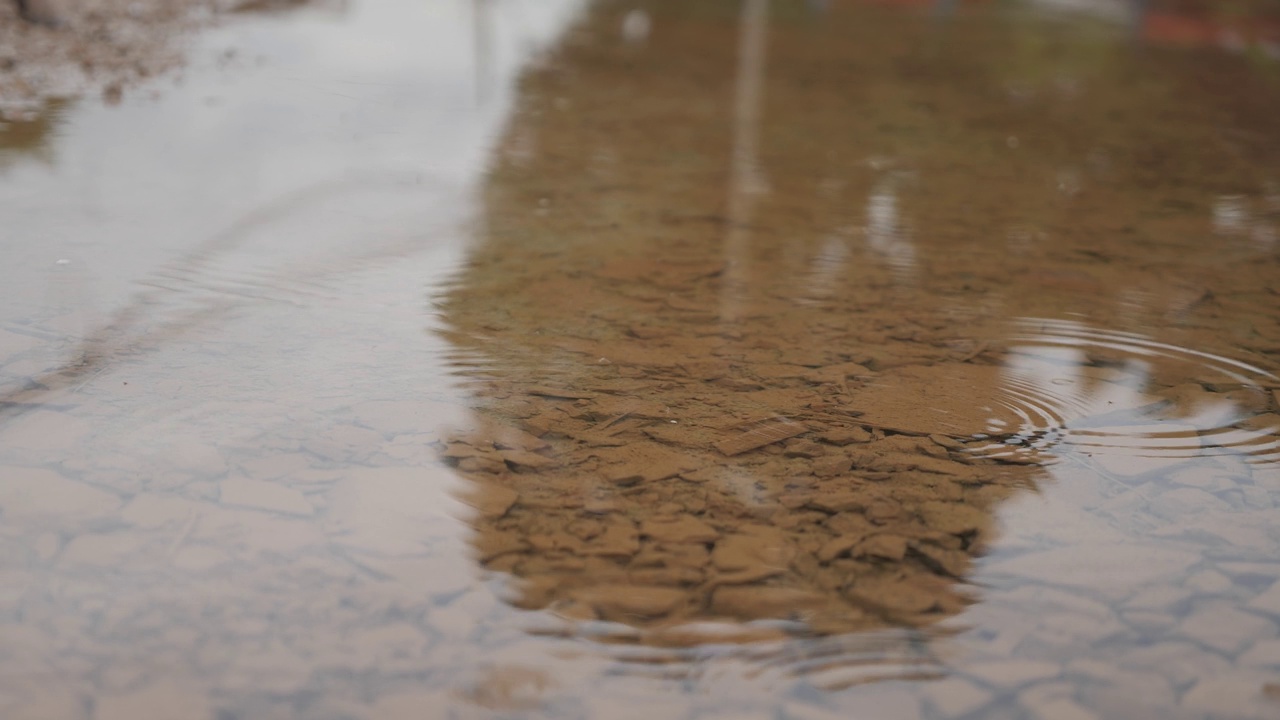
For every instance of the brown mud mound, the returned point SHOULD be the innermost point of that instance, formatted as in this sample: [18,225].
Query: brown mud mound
[66,48]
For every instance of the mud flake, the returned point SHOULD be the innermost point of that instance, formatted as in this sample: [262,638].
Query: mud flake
[884,546]
[681,530]
[832,466]
[954,518]
[494,544]
[263,495]
[630,601]
[619,539]
[954,563]
[837,547]
[845,436]
[752,551]
[756,602]
[492,501]
[759,434]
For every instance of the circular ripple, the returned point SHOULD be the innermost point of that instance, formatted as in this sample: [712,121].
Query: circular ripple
[1129,401]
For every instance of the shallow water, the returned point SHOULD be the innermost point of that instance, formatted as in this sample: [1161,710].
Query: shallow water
[707,359]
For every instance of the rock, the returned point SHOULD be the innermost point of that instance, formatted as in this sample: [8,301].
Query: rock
[261,495]
[684,529]
[635,601]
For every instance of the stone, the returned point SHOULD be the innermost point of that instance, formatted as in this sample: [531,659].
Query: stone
[1054,701]
[263,495]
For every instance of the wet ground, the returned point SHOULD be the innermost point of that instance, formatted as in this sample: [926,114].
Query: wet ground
[613,359]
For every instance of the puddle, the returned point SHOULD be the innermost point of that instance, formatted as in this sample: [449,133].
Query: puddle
[784,360]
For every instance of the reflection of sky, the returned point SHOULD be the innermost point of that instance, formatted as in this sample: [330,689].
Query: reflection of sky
[371,116]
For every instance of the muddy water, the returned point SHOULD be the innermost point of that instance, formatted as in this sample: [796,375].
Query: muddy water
[785,360]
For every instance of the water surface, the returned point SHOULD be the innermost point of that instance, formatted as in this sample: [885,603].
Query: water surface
[761,359]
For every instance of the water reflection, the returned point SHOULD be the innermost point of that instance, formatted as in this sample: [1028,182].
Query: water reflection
[801,360]
[839,424]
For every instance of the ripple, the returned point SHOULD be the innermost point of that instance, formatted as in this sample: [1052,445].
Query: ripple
[1115,395]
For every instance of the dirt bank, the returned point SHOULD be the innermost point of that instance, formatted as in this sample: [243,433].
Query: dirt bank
[105,47]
